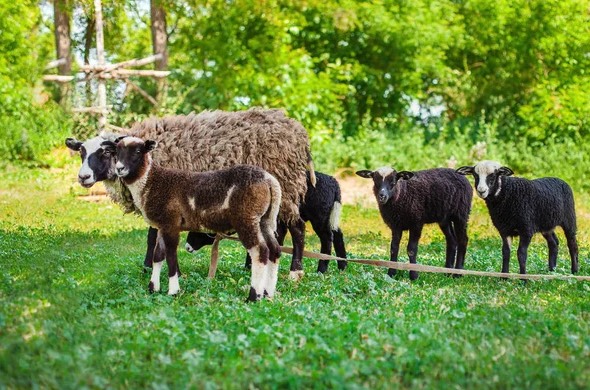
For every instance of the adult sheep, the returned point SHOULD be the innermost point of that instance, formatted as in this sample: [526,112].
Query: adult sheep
[522,207]
[215,140]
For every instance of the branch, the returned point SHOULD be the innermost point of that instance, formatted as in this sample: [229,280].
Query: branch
[55,63]
[58,78]
[142,92]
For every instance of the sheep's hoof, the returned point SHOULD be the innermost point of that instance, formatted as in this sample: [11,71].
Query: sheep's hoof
[391,272]
[457,276]
[296,275]
[151,288]
[188,248]
[252,297]
[413,275]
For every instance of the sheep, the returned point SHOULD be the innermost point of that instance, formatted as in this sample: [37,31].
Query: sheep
[213,140]
[322,207]
[521,207]
[243,198]
[409,200]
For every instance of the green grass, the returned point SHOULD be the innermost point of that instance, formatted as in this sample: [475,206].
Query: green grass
[75,311]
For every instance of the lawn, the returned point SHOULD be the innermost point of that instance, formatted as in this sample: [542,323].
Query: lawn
[75,311]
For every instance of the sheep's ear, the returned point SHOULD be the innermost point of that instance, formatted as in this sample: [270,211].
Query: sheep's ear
[150,145]
[365,173]
[405,175]
[73,144]
[466,170]
[120,138]
[109,146]
[505,171]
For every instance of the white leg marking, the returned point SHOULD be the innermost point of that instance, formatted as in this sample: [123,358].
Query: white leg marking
[173,286]
[156,268]
[272,277]
[258,271]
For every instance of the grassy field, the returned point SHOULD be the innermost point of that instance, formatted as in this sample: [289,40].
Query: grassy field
[75,311]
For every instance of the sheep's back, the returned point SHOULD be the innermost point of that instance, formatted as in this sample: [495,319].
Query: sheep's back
[431,196]
[217,139]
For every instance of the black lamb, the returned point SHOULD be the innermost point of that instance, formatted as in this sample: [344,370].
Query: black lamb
[321,207]
[409,200]
[521,207]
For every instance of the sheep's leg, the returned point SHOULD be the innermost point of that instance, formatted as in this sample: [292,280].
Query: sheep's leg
[259,255]
[451,240]
[553,244]
[396,237]
[325,235]
[297,230]
[572,244]
[506,243]
[171,242]
[460,229]
[151,245]
[158,257]
[413,249]
[339,248]
[523,246]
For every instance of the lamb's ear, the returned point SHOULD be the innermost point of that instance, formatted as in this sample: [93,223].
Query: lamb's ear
[505,171]
[109,146]
[120,138]
[73,144]
[466,170]
[406,175]
[365,173]
[150,145]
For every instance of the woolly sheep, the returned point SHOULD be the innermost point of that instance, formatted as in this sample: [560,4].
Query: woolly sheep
[210,141]
[521,207]
[243,198]
[409,200]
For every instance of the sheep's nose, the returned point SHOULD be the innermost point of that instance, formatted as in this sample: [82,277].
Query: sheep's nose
[383,198]
[83,177]
[119,169]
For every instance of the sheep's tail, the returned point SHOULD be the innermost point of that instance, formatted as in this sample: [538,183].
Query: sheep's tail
[275,202]
[335,215]
[311,169]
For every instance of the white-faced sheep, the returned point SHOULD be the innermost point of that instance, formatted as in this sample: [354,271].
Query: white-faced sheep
[409,200]
[243,198]
[210,141]
[521,207]
[322,207]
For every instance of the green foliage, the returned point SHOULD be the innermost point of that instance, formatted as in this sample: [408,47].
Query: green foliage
[74,310]
[28,129]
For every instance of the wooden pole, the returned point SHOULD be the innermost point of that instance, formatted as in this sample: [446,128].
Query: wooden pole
[102,88]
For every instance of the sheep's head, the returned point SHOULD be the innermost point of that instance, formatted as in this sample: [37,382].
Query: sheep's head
[488,177]
[385,182]
[97,163]
[133,156]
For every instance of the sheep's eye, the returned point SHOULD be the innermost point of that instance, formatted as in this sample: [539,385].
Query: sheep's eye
[137,151]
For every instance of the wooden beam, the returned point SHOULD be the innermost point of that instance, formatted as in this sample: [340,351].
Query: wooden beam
[55,63]
[139,72]
[58,78]
[102,88]
[141,92]
[92,110]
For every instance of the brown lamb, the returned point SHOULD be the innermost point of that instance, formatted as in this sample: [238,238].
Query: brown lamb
[243,198]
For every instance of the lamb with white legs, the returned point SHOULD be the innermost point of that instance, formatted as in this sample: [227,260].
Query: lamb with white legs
[245,199]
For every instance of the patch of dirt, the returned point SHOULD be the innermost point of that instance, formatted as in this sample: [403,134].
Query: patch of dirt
[356,190]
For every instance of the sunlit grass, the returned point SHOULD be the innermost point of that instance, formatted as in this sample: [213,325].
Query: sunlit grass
[75,312]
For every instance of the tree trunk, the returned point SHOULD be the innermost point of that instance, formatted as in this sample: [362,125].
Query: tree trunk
[159,44]
[62,44]
[88,38]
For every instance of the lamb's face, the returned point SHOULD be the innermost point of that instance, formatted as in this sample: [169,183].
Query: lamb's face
[488,177]
[97,163]
[133,157]
[385,182]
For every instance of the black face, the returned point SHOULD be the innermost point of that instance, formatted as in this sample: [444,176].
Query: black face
[385,182]
[131,157]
